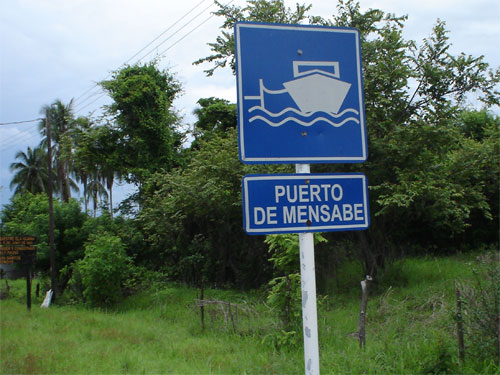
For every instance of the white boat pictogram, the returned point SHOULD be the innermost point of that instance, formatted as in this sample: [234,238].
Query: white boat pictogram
[316,88]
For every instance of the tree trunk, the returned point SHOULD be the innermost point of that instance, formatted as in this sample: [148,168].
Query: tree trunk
[110,188]
[368,257]
[85,194]
[63,182]
[94,198]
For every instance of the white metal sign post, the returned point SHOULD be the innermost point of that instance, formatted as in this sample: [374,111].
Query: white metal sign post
[300,101]
[308,286]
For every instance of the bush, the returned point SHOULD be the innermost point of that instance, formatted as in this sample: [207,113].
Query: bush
[285,288]
[481,310]
[102,271]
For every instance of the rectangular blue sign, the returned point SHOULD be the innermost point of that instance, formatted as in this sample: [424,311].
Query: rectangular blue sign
[294,203]
[300,94]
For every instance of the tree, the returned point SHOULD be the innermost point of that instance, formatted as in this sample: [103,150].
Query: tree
[213,116]
[27,213]
[416,196]
[83,160]
[96,158]
[103,270]
[62,121]
[412,134]
[30,171]
[255,10]
[96,190]
[144,122]
[192,218]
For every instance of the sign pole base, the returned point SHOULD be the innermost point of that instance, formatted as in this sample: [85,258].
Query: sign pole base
[308,285]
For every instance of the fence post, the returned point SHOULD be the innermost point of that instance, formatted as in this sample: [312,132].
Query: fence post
[362,313]
[460,325]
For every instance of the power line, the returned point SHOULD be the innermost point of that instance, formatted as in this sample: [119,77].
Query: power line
[92,102]
[170,27]
[164,51]
[20,122]
[10,143]
[178,30]
[146,46]
[188,33]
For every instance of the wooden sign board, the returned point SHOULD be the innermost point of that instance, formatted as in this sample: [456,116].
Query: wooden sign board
[17,249]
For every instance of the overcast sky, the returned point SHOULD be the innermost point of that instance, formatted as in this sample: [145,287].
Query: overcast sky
[59,49]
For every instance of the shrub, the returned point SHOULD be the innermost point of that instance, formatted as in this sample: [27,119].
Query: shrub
[103,270]
[285,288]
[481,310]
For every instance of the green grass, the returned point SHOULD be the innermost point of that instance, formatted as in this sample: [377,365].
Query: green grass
[409,330]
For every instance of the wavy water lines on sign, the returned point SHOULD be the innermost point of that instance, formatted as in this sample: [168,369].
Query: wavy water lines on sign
[301,118]
[303,123]
[294,110]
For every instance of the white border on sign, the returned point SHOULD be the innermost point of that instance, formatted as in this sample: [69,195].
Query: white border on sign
[292,159]
[302,228]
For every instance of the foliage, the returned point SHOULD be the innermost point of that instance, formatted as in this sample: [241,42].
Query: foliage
[97,162]
[62,123]
[408,331]
[27,214]
[214,116]
[285,288]
[418,130]
[31,171]
[144,124]
[192,218]
[102,271]
[481,310]
[255,10]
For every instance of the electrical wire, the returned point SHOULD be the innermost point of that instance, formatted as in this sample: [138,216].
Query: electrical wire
[12,142]
[19,122]
[142,49]
[178,30]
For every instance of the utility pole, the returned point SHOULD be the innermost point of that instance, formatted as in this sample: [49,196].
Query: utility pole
[51,207]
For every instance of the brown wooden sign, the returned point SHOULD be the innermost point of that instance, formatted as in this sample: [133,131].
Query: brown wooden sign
[17,249]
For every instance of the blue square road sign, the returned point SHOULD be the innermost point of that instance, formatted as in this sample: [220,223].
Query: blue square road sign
[300,94]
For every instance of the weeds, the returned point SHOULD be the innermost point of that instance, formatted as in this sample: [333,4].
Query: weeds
[481,310]
[408,330]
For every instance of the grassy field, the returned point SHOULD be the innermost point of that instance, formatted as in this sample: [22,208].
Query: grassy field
[410,330]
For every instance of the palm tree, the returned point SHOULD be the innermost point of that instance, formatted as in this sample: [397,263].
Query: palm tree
[107,176]
[96,190]
[62,121]
[31,173]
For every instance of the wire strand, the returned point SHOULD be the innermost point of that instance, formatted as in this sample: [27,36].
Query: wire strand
[143,48]
[19,122]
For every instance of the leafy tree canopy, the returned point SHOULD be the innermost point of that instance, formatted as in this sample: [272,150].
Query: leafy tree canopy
[213,116]
[146,126]
[30,172]
[419,129]
[255,10]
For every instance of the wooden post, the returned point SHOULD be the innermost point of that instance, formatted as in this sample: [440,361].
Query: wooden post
[28,286]
[498,335]
[51,207]
[460,325]
[231,316]
[362,314]
[202,306]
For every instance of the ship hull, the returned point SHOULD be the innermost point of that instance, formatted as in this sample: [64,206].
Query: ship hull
[317,92]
